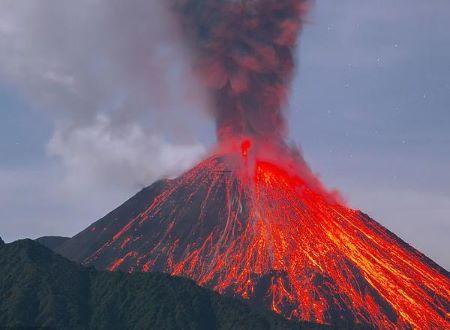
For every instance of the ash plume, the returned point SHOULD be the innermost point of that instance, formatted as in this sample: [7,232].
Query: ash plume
[243,53]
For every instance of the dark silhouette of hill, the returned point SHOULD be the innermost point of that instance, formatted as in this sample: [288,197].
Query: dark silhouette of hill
[39,288]
[52,242]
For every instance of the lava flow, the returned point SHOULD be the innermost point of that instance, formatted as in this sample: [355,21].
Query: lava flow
[252,228]
[252,220]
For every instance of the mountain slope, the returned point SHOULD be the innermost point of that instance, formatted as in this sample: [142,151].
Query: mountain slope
[264,234]
[41,289]
[52,242]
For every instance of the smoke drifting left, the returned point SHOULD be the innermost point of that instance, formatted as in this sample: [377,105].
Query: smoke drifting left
[243,54]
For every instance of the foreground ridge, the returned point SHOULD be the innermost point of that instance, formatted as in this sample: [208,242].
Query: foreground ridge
[41,289]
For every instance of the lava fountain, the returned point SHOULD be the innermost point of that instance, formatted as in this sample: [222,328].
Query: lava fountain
[251,220]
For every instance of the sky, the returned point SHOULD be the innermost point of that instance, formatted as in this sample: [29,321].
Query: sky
[97,101]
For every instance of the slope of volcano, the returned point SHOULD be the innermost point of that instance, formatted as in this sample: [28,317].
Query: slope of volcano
[249,227]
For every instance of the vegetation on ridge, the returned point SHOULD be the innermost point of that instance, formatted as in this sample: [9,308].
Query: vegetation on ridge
[39,288]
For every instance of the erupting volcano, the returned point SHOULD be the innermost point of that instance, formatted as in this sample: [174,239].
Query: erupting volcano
[249,227]
[251,220]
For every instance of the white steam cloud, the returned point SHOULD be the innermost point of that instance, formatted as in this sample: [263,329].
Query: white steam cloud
[116,82]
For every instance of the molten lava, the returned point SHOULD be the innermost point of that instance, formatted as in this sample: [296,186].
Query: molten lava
[245,147]
[263,230]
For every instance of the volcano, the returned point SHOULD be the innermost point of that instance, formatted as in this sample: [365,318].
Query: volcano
[263,229]
[251,220]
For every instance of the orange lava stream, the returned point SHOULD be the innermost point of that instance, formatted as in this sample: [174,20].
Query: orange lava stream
[321,234]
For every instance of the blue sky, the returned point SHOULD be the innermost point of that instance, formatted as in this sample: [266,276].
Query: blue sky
[93,108]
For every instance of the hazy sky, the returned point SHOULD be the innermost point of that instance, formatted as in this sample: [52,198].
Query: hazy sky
[96,101]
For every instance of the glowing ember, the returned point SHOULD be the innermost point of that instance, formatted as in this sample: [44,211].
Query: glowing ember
[245,147]
[273,237]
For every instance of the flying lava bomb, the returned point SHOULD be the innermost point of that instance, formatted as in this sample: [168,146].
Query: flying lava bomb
[251,220]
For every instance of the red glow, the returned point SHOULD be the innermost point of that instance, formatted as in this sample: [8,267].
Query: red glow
[245,147]
[270,237]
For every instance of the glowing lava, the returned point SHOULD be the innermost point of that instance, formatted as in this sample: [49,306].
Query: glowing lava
[245,147]
[270,234]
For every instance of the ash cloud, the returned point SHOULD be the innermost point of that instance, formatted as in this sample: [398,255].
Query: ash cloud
[113,78]
[116,80]
[243,54]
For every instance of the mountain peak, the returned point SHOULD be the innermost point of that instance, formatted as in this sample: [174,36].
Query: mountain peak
[273,238]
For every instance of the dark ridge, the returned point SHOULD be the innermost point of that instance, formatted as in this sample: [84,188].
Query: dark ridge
[1,242]
[39,288]
[52,242]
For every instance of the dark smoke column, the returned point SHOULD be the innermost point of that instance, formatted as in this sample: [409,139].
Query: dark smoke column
[243,53]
